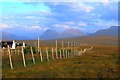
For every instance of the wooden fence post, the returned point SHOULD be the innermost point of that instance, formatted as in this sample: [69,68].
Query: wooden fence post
[66,53]
[52,53]
[15,50]
[74,48]
[63,49]
[41,57]
[38,43]
[71,50]
[11,51]
[56,51]
[11,64]
[18,51]
[47,53]
[60,54]
[23,56]
[68,48]
[32,55]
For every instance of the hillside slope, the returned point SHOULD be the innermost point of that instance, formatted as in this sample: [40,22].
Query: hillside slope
[112,31]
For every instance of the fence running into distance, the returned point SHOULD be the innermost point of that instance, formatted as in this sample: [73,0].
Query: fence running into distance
[42,53]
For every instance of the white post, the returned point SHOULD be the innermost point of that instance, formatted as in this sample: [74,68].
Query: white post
[63,49]
[56,51]
[47,53]
[23,56]
[52,53]
[32,55]
[60,54]
[13,45]
[41,57]
[11,65]
[71,50]
[23,44]
[66,53]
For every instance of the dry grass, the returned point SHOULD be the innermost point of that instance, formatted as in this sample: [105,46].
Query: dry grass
[101,62]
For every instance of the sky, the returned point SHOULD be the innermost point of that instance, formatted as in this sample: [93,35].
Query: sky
[29,18]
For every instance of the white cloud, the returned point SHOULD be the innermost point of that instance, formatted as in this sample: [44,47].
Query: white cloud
[101,24]
[37,21]
[63,26]
[82,29]
[30,17]
[82,24]
[45,12]
[5,18]
[38,14]
[106,2]
[70,22]
[36,28]
[81,6]
[57,0]
[3,26]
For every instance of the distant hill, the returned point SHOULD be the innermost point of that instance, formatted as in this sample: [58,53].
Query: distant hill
[8,36]
[112,31]
[51,34]
[47,35]
[69,33]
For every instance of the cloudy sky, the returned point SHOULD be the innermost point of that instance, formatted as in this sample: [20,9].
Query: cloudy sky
[33,18]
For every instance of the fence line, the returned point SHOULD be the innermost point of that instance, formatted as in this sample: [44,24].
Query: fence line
[71,50]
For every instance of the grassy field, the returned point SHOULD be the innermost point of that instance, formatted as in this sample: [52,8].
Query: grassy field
[101,62]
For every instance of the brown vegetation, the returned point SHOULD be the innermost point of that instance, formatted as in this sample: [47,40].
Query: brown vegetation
[101,62]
